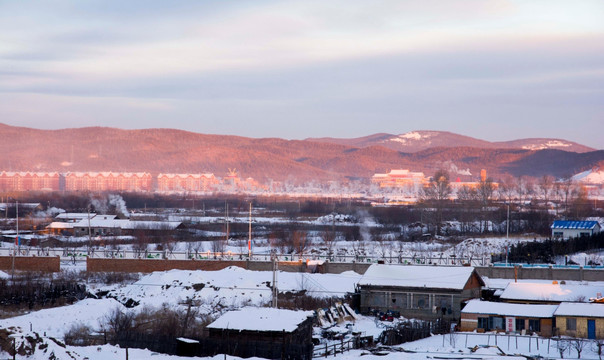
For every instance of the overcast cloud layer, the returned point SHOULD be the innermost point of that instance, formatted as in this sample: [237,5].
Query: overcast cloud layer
[496,70]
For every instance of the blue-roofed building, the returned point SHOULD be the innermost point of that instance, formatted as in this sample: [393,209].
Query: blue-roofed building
[564,229]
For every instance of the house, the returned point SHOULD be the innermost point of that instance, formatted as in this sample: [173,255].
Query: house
[549,293]
[425,292]
[584,320]
[513,318]
[107,225]
[263,332]
[564,229]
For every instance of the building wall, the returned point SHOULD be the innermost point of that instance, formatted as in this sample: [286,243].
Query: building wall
[31,263]
[416,303]
[150,265]
[581,331]
[469,322]
[571,233]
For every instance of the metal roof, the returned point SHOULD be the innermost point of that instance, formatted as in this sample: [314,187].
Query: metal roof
[570,224]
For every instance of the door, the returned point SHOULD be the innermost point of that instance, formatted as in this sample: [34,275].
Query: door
[591,329]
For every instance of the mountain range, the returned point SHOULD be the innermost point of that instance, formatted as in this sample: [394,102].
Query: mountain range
[415,141]
[177,151]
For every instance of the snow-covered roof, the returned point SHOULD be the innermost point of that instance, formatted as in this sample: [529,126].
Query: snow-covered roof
[59,225]
[578,225]
[71,216]
[261,319]
[109,221]
[580,309]
[505,309]
[550,292]
[442,277]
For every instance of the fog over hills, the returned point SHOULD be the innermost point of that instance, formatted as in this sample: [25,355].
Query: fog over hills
[177,151]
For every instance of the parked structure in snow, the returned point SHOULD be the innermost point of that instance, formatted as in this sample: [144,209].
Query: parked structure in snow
[263,332]
[564,229]
[425,292]
[584,320]
[512,318]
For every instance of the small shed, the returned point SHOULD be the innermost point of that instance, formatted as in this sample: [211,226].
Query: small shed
[584,320]
[564,229]
[512,318]
[424,292]
[263,332]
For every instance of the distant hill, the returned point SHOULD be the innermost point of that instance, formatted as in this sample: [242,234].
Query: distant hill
[177,151]
[415,141]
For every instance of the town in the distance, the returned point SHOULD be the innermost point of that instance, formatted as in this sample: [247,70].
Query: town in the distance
[330,248]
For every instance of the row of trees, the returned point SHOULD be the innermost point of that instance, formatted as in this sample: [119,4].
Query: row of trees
[545,197]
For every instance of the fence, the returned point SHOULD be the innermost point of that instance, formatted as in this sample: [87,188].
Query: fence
[78,254]
[513,343]
[334,348]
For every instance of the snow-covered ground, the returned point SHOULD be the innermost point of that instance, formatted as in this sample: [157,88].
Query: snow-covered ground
[229,288]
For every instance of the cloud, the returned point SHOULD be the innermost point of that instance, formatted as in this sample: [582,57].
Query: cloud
[306,68]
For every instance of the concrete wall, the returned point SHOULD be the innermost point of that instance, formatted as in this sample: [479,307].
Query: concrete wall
[150,265]
[31,263]
[549,273]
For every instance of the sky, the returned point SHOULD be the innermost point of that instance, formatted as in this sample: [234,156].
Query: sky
[495,70]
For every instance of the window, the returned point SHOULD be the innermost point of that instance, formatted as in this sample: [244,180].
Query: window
[535,325]
[421,301]
[558,234]
[497,323]
[519,324]
[483,323]
[571,324]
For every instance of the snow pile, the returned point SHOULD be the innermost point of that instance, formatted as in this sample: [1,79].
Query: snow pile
[229,288]
[55,322]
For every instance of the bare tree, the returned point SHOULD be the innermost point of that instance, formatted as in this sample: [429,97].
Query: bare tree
[562,346]
[578,345]
[438,192]
[599,345]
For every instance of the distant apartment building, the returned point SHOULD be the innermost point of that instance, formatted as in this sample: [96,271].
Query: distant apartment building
[107,181]
[399,179]
[29,181]
[186,182]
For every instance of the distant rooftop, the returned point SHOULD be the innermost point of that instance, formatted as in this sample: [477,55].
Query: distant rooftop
[261,319]
[498,308]
[550,292]
[443,277]
[579,225]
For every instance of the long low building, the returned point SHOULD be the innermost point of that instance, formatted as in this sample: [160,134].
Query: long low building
[424,292]
[109,225]
[564,229]
[574,319]
[512,318]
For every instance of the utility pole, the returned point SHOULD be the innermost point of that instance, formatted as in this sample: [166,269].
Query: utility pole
[275,291]
[17,241]
[507,236]
[226,219]
[249,241]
